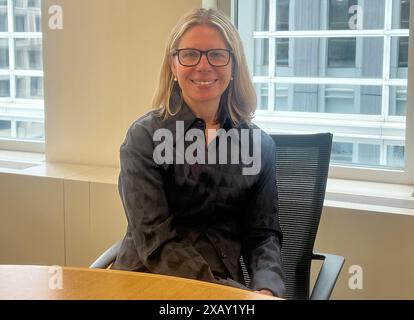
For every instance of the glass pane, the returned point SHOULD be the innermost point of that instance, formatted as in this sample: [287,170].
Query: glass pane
[282,52]
[401,14]
[4,54]
[339,16]
[340,99]
[368,154]
[370,100]
[29,87]
[262,15]
[341,53]
[262,92]
[282,97]
[362,154]
[398,101]
[306,15]
[30,130]
[4,86]
[27,16]
[305,98]
[261,57]
[399,57]
[395,156]
[282,15]
[342,152]
[372,12]
[3,16]
[403,52]
[5,128]
[29,54]
[320,57]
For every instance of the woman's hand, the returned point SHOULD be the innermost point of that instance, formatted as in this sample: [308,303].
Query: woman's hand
[265,291]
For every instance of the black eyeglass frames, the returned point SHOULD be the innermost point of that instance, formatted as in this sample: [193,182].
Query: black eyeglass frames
[190,57]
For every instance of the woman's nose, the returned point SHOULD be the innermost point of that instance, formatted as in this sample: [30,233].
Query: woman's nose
[203,64]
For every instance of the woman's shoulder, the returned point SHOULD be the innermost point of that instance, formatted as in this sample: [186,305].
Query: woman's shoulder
[150,121]
[142,129]
[258,132]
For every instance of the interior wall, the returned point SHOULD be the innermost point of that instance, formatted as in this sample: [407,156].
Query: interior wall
[94,220]
[380,245]
[32,220]
[100,73]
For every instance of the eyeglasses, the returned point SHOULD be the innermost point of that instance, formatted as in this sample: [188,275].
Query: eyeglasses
[192,57]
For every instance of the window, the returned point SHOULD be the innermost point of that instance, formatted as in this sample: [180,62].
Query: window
[21,74]
[333,65]
[341,51]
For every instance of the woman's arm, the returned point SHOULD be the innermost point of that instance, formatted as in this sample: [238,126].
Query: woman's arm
[262,241]
[143,196]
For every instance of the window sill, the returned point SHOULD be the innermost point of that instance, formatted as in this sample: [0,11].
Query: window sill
[370,196]
[32,164]
[340,193]
[13,160]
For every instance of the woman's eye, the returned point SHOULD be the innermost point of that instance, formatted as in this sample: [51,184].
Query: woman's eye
[216,54]
[191,54]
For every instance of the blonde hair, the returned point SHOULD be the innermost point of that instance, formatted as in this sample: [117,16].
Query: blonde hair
[239,98]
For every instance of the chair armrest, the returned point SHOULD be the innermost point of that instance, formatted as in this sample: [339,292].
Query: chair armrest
[107,258]
[331,267]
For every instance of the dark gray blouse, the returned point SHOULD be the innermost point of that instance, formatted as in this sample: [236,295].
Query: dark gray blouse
[196,220]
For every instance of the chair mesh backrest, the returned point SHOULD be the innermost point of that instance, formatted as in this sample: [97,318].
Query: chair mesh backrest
[302,164]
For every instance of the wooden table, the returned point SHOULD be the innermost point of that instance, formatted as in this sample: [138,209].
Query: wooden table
[56,283]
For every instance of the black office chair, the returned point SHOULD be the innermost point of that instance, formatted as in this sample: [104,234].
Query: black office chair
[106,259]
[302,163]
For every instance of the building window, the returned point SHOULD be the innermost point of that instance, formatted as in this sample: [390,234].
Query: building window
[342,152]
[332,65]
[339,16]
[3,16]
[20,23]
[341,53]
[21,72]
[282,52]
[282,15]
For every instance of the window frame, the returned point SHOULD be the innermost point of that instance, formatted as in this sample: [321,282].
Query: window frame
[405,176]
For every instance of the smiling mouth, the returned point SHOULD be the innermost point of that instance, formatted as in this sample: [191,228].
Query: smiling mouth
[203,83]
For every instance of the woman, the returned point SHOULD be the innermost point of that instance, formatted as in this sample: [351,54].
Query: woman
[195,219]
